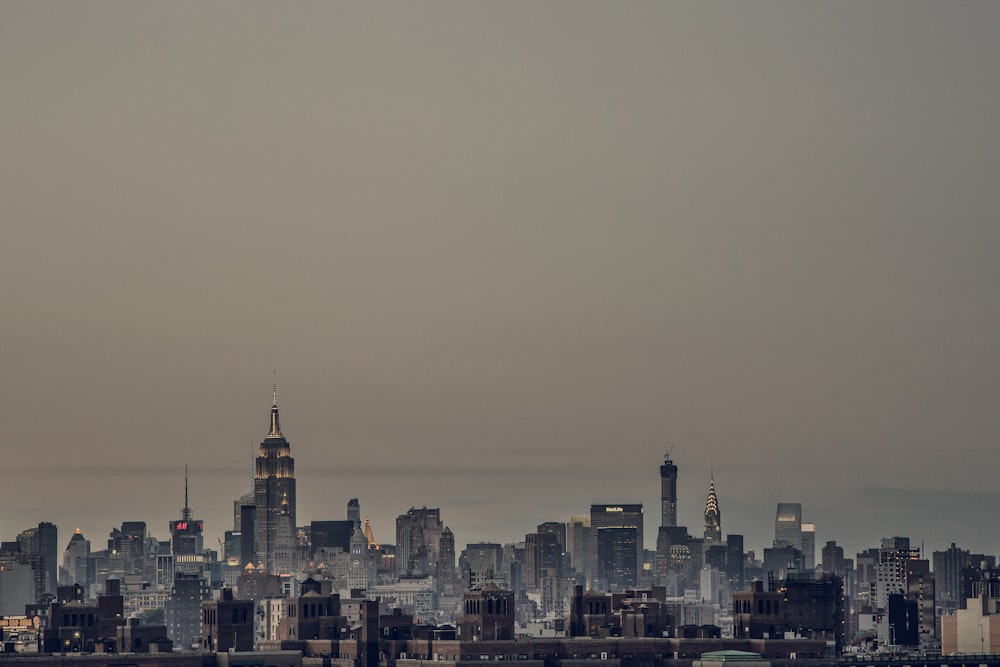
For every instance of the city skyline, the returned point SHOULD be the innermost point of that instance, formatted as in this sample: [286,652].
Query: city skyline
[853,541]
[503,256]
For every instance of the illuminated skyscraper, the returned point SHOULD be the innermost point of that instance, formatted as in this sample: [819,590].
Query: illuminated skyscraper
[274,491]
[713,517]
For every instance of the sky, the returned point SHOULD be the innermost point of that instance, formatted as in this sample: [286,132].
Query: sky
[501,257]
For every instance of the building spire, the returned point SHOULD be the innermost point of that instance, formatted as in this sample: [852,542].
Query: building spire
[186,512]
[712,504]
[369,535]
[713,516]
[275,431]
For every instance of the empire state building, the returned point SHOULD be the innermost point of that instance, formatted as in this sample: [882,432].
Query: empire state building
[274,492]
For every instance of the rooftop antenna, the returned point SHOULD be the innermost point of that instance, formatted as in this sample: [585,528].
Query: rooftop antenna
[667,455]
[187,510]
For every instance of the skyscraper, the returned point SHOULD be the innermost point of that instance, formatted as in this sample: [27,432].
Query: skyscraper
[713,517]
[274,490]
[809,546]
[668,492]
[186,539]
[354,512]
[446,563]
[41,544]
[75,560]
[418,541]
[615,516]
[788,525]
[617,564]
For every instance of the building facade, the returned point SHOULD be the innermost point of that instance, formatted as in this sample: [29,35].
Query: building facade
[274,491]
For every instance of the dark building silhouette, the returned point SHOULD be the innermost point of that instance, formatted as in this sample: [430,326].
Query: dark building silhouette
[833,559]
[904,621]
[48,549]
[482,563]
[77,627]
[182,609]
[313,615]
[227,623]
[977,582]
[782,559]
[487,615]
[556,528]
[814,607]
[668,492]
[134,637]
[810,606]
[948,566]
[735,561]
[615,516]
[542,551]
[418,538]
[628,614]
[76,560]
[331,535]
[274,482]
[256,584]
[248,539]
[617,565]
[354,512]
[129,543]
[41,545]
[758,613]
[446,563]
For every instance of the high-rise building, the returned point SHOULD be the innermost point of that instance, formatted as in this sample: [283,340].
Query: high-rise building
[947,566]
[273,484]
[788,525]
[809,546]
[833,560]
[615,516]
[76,559]
[446,563]
[187,543]
[354,512]
[892,570]
[42,543]
[617,564]
[578,543]
[182,610]
[482,563]
[556,528]
[735,561]
[713,517]
[541,552]
[284,544]
[227,624]
[668,492]
[130,543]
[418,539]
[360,567]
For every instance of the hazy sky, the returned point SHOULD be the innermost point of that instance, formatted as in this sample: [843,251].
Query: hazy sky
[502,256]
